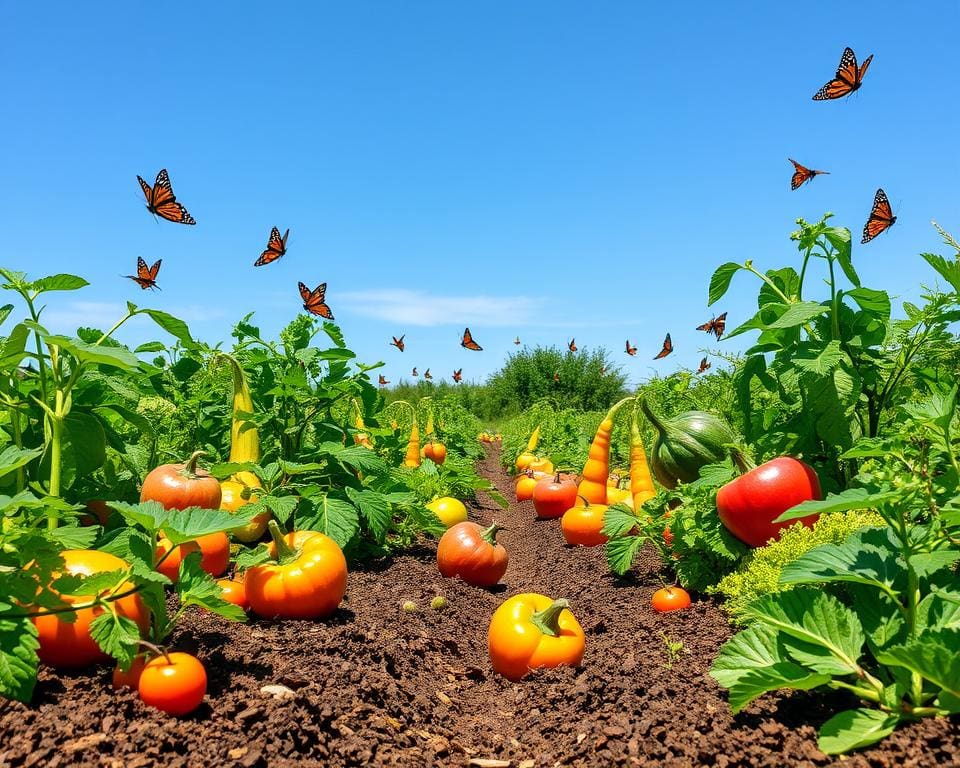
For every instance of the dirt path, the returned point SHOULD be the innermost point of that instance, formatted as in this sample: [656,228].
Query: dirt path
[378,686]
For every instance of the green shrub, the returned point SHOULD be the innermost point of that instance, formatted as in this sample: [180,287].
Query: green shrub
[759,574]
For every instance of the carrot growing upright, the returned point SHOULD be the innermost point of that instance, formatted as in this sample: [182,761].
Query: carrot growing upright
[641,481]
[412,457]
[593,486]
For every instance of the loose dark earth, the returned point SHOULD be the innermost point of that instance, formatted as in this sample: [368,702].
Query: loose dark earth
[378,686]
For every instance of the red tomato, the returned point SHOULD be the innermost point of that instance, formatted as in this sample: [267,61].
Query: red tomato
[175,683]
[66,644]
[178,486]
[748,505]
[99,513]
[553,496]
[670,599]
[214,551]
[471,552]
[234,592]
[435,451]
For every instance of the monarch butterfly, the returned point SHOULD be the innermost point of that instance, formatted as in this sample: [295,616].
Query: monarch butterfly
[802,175]
[517,340]
[398,343]
[468,341]
[881,217]
[458,376]
[427,374]
[631,350]
[556,378]
[383,382]
[715,326]
[849,78]
[703,365]
[667,348]
[572,345]
[313,300]
[415,371]
[276,247]
[146,277]
[162,202]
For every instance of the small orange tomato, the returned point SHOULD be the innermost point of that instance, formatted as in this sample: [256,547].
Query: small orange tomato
[234,592]
[174,683]
[130,678]
[582,525]
[670,599]
[531,631]
[435,451]
[471,552]
[525,485]
[178,486]
[524,460]
[214,551]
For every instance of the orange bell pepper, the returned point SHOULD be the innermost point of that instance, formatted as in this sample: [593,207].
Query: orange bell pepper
[593,486]
[531,631]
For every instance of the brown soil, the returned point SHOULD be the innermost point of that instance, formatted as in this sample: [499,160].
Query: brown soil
[377,686]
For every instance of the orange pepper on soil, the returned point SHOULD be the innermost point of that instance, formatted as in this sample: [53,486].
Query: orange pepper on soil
[531,631]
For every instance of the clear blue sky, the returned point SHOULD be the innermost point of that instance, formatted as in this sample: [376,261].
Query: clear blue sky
[547,169]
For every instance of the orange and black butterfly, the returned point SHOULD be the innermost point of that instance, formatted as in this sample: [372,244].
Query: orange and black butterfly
[383,382]
[572,345]
[716,326]
[414,371]
[276,247]
[162,202]
[556,378]
[631,350]
[458,376]
[704,365]
[802,175]
[517,340]
[468,342]
[398,343]
[849,77]
[881,217]
[313,300]
[427,374]
[146,277]
[667,348]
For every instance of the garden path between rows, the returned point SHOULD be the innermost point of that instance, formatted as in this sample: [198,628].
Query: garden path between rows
[376,686]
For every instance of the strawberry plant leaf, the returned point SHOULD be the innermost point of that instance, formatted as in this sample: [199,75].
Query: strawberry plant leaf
[934,657]
[619,520]
[73,537]
[855,728]
[621,551]
[18,658]
[117,636]
[865,557]
[197,587]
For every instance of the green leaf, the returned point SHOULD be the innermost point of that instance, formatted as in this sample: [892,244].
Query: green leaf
[281,507]
[619,520]
[115,357]
[336,518]
[18,659]
[14,347]
[12,458]
[882,621]
[855,728]
[852,498]
[147,514]
[172,325]
[150,346]
[798,314]
[821,622]
[375,510]
[621,551]
[720,282]
[355,456]
[426,520]
[183,525]
[95,583]
[872,301]
[948,269]
[133,418]
[865,557]
[933,656]
[83,448]
[117,636]
[5,311]
[197,587]
[928,563]
[839,238]
[752,663]
[73,537]
[251,557]
[819,360]
[61,282]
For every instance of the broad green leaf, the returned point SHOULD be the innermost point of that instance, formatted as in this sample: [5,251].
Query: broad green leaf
[872,301]
[865,557]
[73,537]
[251,557]
[798,314]
[148,514]
[751,663]
[197,587]
[355,456]
[133,418]
[115,357]
[14,346]
[18,658]
[839,238]
[880,616]
[816,619]
[819,361]
[12,458]
[619,520]
[61,282]
[336,353]
[281,507]
[855,728]
[5,311]
[183,525]
[852,498]
[336,518]
[375,510]
[933,656]
[948,269]
[720,282]
[116,635]
[150,346]
[928,563]
[426,520]
[83,448]
[95,583]
[621,551]
[172,325]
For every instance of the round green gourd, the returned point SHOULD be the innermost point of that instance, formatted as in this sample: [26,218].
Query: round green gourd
[685,444]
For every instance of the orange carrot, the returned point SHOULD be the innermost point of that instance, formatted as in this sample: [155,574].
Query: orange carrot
[593,486]
[412,459]
[641,481]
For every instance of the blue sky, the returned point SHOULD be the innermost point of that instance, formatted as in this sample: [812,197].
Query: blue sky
[547,169]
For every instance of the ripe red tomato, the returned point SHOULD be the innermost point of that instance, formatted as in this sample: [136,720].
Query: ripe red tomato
[66,644]
[214,551]
[178,486]
[553,496]
[670,599]
[471,552]
[175,683]
[234,592]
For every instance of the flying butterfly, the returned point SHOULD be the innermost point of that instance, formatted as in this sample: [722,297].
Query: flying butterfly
[667,348]
[276,247]
[881,217]
[383,382]
[427,374]
[631,350]
[716,326]
[162,202]
[146,277]
[704,365]
[517,341]
[572,345]
[802,175]
[414,371]
[398,343]
[849,77]
[468,342]
[313,300]
[458,376]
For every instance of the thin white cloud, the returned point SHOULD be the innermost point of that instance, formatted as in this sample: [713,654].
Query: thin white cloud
[409,307]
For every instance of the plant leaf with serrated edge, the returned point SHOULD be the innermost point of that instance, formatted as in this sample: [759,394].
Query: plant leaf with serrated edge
[247,558]
[18,659]
[375,509]
[117,636]
[60,282]
[337,518]
[855,728]
[852,498]
[864,557]
[621,551]
[618,520]
[798,314]
[197,587]
[95,583]
[73,537]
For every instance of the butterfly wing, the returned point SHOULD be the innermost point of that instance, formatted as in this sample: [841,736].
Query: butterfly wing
[667,348]
[848,77]
[155,269]
[468,341]
[800,176]
[720,325]
[163,202]
[572,345]
[631,350]
[703,365]
[276,247]
[313,301]
[881,217]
